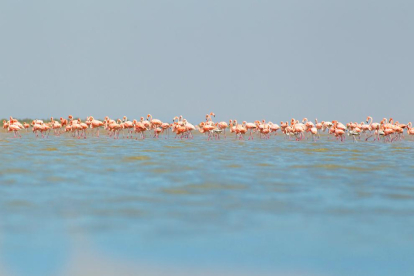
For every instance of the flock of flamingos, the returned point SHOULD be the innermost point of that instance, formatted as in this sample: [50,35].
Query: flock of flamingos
[386,130]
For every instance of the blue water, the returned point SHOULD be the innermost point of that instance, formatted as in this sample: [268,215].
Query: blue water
[262,207]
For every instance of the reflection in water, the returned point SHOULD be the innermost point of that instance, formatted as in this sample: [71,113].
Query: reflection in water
[157,207]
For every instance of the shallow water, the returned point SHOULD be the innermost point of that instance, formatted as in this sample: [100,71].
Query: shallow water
[261,207]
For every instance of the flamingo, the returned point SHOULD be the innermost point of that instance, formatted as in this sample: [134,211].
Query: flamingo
[274,127]
[165,127]
[223,126]
[140,128]
[128,125]
[250,127]
[95,124]
[154,122]
[26,126]
[410,129]
[388,130]
[354,133]
[15,129]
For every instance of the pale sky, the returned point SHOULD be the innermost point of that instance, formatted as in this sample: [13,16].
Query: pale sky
[243,60]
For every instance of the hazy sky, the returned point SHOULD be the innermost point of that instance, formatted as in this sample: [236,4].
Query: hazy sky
[240,59]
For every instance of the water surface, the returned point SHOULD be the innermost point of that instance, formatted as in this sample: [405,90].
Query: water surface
[261,207]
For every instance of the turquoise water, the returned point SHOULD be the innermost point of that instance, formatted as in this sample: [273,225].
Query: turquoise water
[262,207]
